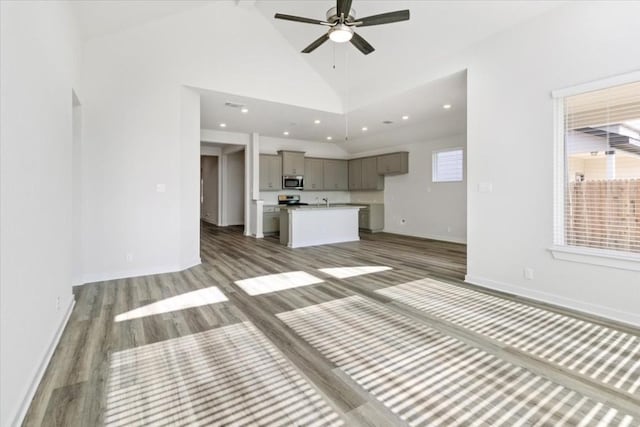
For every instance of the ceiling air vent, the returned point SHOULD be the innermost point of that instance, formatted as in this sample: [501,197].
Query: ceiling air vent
[233,104]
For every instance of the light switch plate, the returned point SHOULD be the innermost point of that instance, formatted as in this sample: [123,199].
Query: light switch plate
[161,188]
[485,187]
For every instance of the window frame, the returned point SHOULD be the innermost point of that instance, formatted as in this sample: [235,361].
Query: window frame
[434,163]
[560,250]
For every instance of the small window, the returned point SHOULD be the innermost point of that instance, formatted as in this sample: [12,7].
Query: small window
[448,165]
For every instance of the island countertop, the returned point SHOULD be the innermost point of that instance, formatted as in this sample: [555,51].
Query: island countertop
[322,207]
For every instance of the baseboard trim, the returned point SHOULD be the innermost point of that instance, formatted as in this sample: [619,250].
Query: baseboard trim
[126,274]
[429,237]
[588,309]
[44,363]
[210,221]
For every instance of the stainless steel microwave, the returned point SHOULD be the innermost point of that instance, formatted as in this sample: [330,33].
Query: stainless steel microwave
[292,183]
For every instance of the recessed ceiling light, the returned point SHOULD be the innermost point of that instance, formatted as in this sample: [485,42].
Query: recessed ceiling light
[329,138]
[364,129]
[405,117]
[446,106]
[244,110]
[223,125]
[316,121]
[285,133]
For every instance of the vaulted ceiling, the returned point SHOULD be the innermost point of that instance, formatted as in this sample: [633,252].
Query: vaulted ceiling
[383,85]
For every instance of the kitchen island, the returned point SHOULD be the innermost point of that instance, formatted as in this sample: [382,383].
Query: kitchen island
[314,225]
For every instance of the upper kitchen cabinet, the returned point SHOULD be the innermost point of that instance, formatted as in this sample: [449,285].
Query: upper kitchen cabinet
[270,172]
[355,174]
[363,175]
[370,178]
[394,163]
[292,162]
[314,174]
[336,174]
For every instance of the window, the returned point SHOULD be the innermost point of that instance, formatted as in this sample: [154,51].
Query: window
[448,165]
[598,180]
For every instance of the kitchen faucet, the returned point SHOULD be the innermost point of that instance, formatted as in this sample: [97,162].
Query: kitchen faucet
[326,200]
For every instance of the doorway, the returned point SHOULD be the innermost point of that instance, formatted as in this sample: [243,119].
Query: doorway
[222,184]
[209,189]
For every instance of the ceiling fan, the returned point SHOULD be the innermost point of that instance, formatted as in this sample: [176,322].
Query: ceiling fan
[342,21]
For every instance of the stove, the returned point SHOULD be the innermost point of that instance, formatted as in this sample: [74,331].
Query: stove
[290,200]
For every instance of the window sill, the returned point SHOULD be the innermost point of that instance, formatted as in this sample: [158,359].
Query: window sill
[603,257]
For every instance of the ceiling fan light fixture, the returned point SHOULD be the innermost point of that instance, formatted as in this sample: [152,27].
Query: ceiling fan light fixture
[341,33]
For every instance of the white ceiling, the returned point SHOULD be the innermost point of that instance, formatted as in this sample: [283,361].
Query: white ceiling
[436,29]
[424,106]
[381,86]
[101,17]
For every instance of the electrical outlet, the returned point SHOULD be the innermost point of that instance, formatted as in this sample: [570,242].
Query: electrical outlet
[161,188]
[528,273]
[57,303]
[129,257]
[449,229]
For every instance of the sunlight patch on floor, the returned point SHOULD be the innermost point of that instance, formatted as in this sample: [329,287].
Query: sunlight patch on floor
[345,272]
[277,282]
[428,378]
[230,375]
[197,298]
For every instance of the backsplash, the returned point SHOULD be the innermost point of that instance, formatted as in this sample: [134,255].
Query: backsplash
[367,196]
[271,197]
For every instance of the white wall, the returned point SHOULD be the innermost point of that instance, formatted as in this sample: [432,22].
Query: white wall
[38,71]
[132,102]
[76,178]
[430,210]
[189,188]
[510,78]
[330,150]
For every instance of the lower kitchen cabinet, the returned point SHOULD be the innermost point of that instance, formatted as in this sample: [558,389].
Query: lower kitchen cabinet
[371,218]
[271,222]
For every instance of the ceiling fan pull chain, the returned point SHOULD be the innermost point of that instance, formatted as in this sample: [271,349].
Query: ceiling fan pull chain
[346,97]
[334,56]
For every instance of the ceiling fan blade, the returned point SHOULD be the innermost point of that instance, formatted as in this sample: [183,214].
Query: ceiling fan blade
[383,18]
[300,19]
[343,6]
[362,45]
[313,46]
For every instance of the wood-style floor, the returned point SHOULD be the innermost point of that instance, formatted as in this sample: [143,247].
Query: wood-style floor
[376,332]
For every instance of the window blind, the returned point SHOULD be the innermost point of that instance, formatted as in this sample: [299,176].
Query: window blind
[448,166]
[602,170]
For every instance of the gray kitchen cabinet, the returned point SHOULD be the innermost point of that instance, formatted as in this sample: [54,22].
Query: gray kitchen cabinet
[336,174]
[270,221]
[355,174]
[292,162]
[370,178]
[371,218]
[270,172]
[393,163]
[313,174]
